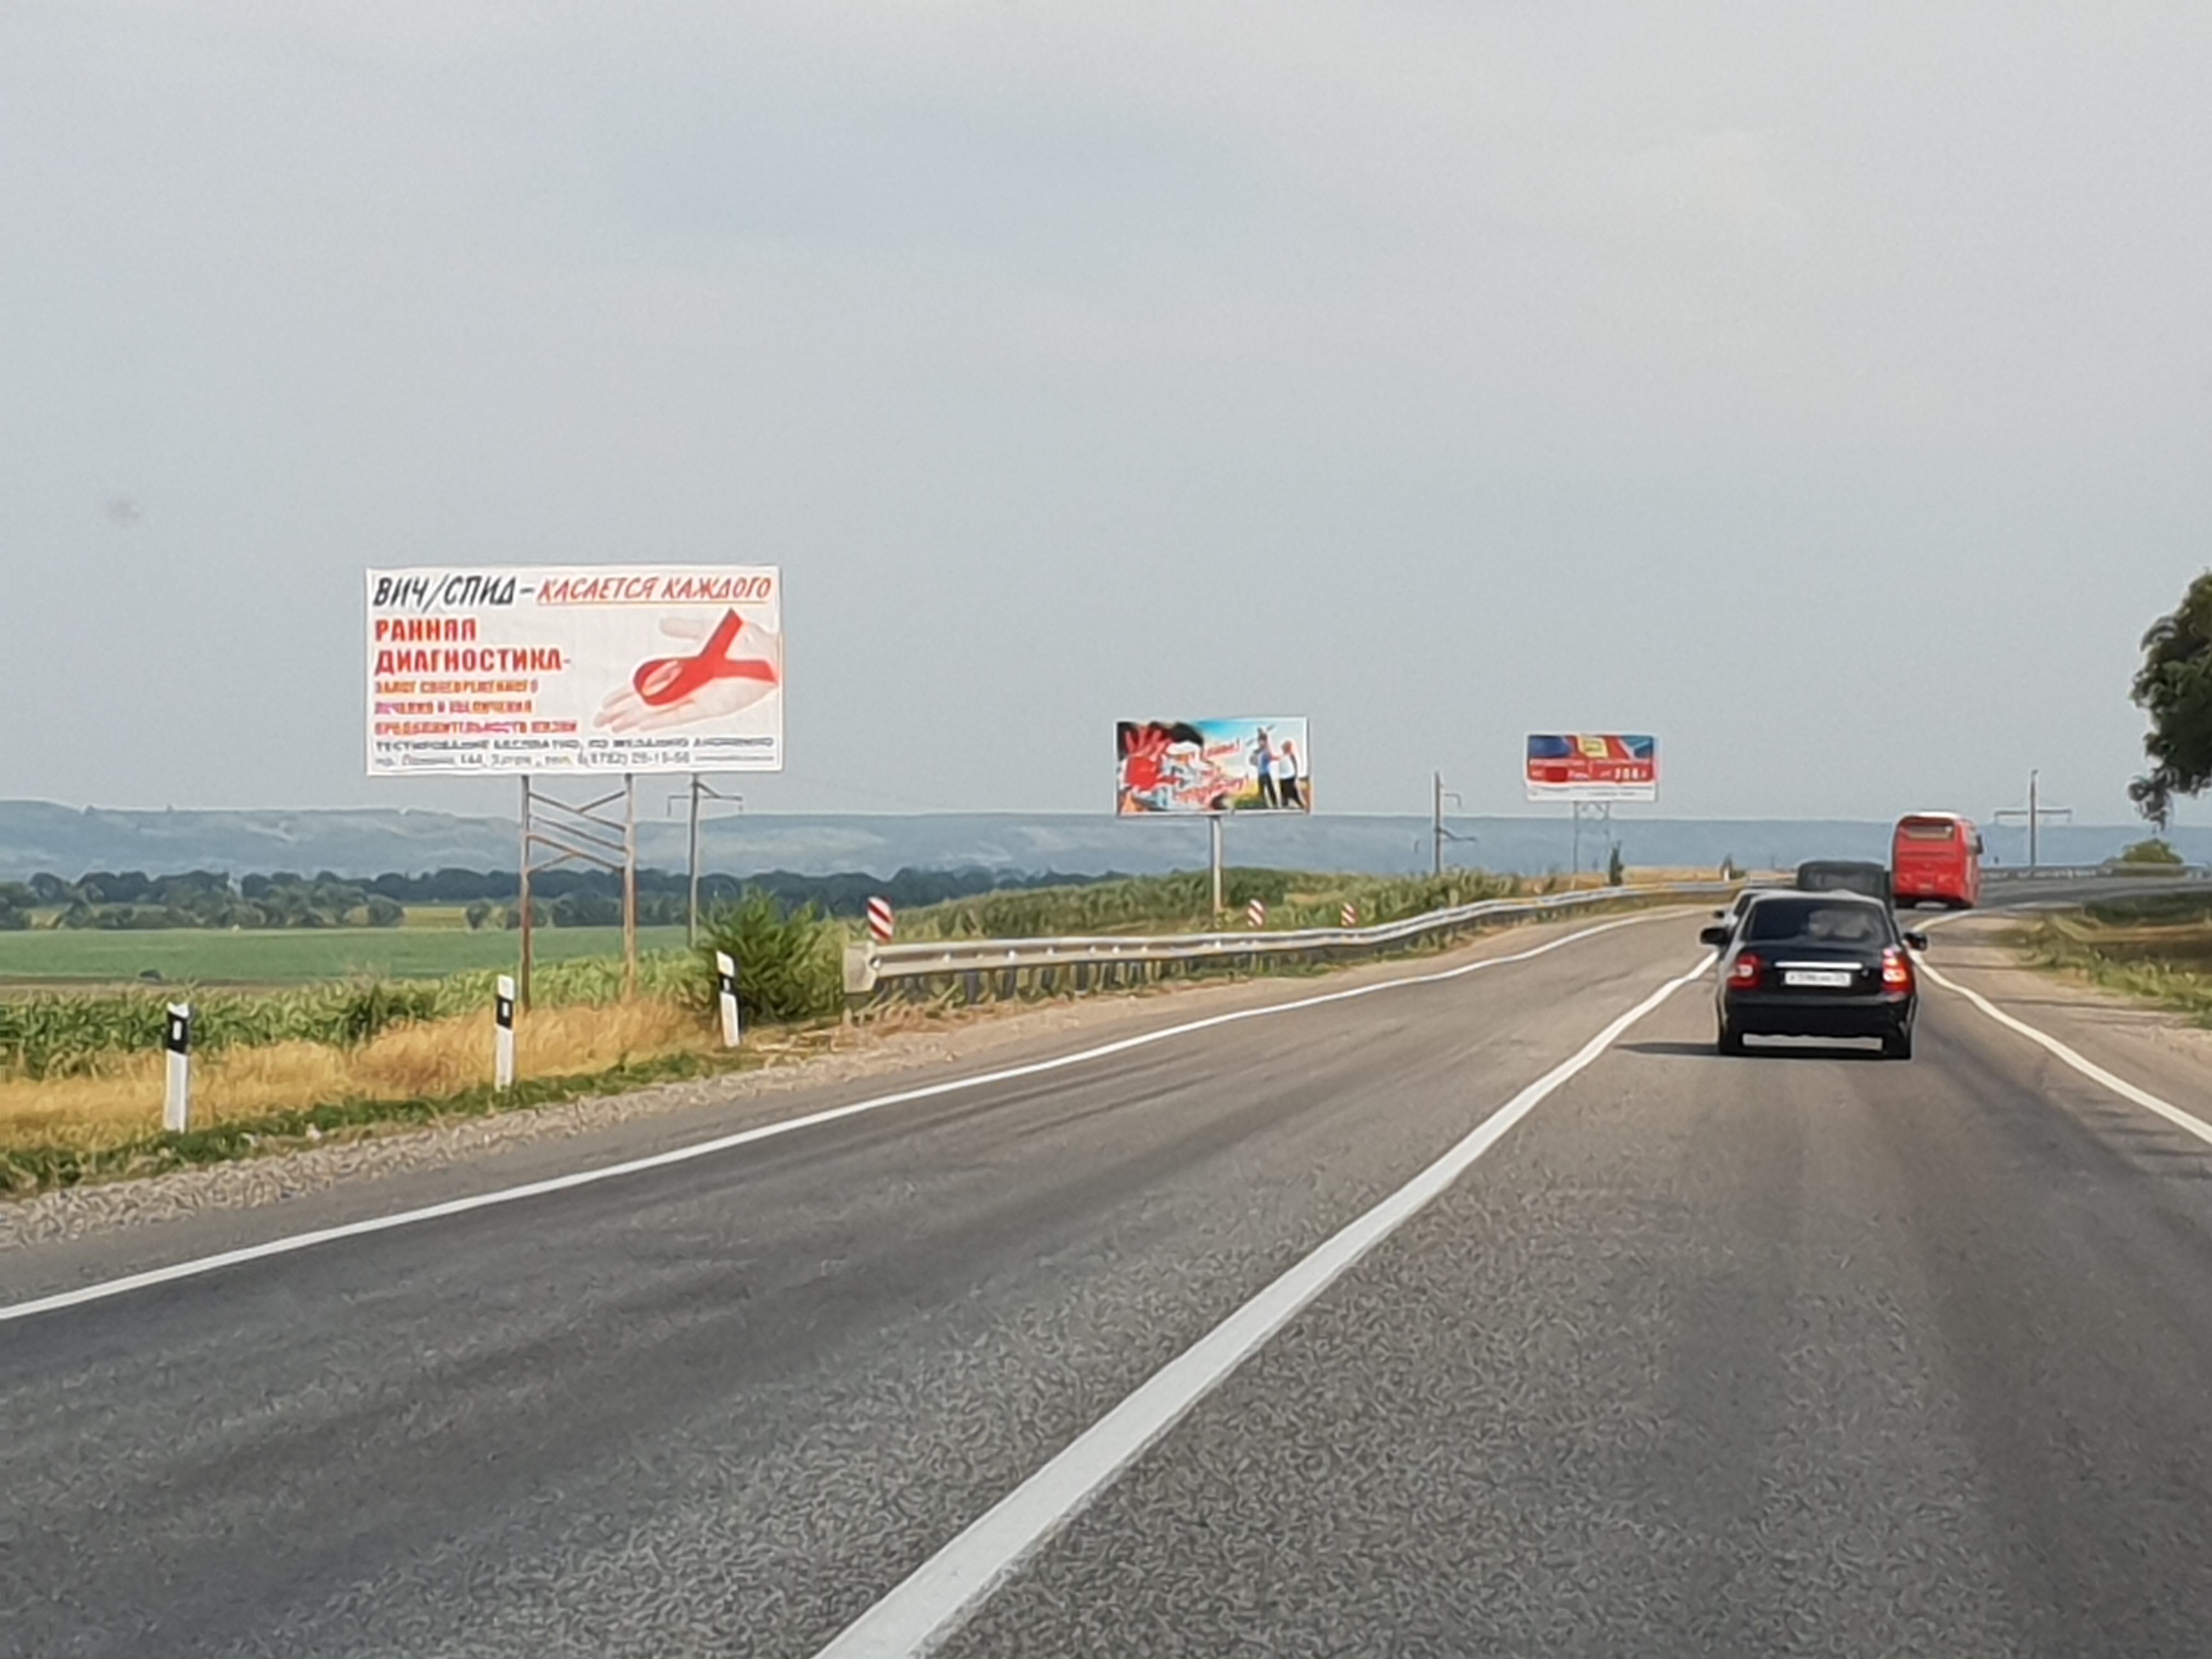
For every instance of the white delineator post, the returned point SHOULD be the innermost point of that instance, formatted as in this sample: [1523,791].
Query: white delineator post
[726,988]
[881,922]
[177,1039]
[1349,916]
[1256,913]
[502,1038]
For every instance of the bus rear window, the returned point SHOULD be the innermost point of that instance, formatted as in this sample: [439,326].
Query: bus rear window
[1927,831]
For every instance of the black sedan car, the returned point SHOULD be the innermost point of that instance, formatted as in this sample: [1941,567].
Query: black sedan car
[1816,964]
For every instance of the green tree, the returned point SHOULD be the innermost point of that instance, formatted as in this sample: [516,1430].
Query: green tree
[2174,687]
[787,958]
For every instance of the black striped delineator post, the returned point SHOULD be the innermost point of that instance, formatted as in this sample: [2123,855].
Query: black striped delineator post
[177,1040]
[726,991]
[881,924]
[502,1039]
[1256,913]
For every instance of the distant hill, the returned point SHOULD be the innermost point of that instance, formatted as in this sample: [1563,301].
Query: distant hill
[36,836]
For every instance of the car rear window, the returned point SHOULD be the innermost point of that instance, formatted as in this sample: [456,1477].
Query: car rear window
[1817,921]
[1928,830]
[1843,877]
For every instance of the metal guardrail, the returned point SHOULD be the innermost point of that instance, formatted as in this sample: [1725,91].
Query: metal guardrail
[996,967]
[2096,871]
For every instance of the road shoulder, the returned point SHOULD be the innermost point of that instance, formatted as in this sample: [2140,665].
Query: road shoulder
[93,1233]
[2154,1048]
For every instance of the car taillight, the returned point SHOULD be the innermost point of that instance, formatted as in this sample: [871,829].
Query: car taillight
[1745,970]
[1896,970]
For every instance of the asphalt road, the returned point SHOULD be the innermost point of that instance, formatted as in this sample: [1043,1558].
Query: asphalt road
[1805,1353]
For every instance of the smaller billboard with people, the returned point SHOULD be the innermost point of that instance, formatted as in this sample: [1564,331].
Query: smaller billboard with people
[1592,766]
[1211,766]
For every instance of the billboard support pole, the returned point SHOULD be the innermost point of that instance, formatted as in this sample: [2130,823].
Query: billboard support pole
[558,832]
[1213,841]
[1599,812]
[522,975]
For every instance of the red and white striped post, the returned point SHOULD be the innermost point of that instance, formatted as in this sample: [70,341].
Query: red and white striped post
[1256,913]
[1349,916]
[881,923]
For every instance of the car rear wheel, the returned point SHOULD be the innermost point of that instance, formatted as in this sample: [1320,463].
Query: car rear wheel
[1898,1045]
[1729,1042]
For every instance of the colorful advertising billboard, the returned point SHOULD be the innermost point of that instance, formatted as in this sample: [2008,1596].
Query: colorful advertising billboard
[1213,765]
[601,668]
[1592,766]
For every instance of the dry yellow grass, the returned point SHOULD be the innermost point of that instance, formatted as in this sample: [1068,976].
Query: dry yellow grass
[122,1101]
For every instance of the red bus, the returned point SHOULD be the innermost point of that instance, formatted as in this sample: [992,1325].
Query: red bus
[1936,857]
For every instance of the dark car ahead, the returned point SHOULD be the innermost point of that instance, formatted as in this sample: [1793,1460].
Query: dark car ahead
[1843,876]
[1742,903]
[1816,964]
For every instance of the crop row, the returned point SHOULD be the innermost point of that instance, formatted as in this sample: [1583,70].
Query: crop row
[1178,903]
[52,1034]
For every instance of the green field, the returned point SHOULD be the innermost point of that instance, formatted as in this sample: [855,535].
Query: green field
[296,956]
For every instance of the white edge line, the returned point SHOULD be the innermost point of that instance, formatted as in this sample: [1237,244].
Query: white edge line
[930,1604]
[2088,1068]
[210,1264]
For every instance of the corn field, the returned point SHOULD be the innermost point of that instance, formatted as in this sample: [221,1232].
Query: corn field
[51,1034]
[1183,902]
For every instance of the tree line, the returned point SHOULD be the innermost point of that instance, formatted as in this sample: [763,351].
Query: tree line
[131,899]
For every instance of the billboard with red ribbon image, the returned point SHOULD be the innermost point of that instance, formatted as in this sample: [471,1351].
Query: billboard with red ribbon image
[1592,766]
[551,669]
[1211,766]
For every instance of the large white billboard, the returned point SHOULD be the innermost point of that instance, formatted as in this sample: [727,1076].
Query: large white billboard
[589,668]
[1592,766]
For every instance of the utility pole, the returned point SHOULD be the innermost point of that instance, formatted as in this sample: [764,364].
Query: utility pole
[701,791]
[2034,816]
[1438,834]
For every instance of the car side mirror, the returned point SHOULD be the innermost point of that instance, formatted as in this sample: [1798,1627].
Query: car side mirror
[1917,941]
[1713,936]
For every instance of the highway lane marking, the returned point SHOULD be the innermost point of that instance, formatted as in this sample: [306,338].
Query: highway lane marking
[200,1265]
[2088,1068]
[925,1609]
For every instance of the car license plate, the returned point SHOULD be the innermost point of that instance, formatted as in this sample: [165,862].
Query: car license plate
[1834,979]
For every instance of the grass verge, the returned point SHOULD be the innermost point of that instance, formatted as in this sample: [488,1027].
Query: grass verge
[28,1169]
[2156,950]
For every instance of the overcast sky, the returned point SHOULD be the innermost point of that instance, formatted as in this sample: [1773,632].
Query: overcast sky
[1827,390]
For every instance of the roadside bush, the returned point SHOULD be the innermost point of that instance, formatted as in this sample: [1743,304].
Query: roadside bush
[2153,851]
[788,965]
